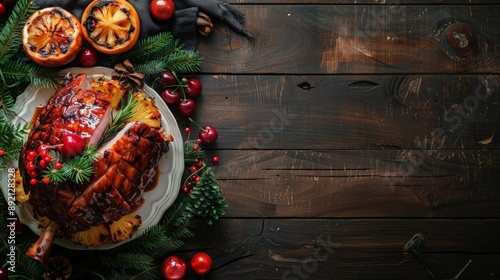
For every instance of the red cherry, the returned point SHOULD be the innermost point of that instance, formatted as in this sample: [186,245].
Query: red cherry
[170,96]
[88,57]
[33,174]
[2,10]
[162,10]
[73,145]
[201,263]
[47,158]
[33,181]
[215,159]
[173,268]
[193,88]
[186,107]
[46,180]
[208,134]
[167,78]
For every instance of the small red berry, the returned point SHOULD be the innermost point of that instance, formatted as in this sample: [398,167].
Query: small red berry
[47,158]
[30,166]
[33,174]
[46,180]
[2,152]
[200,163]
[195,147]
[42,163]
[185,189]
[41,148]
[215,159]
[193,169]
[197,179]
[199,140]
[32,154]
[33,181]
[58,165]
[187,130]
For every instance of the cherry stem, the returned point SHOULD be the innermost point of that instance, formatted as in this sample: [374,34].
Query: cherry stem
[180,85]
[195,123]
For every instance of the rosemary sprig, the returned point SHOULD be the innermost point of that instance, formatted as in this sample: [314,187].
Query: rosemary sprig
[119,120]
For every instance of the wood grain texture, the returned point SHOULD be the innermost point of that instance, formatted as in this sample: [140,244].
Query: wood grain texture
[349,249]
[305,183]
[321,39]
[427,112]
[357,122]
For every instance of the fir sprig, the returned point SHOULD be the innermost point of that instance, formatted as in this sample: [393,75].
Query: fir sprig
[10,35]
[11,141]
[158,53]
[78,169]
[153,46]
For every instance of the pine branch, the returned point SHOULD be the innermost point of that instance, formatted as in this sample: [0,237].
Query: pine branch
[154,46]
[183,61]
[149,274]
[10,36]
[16,71]
[139,261]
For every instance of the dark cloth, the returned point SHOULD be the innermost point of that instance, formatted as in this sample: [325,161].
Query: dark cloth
[182,24]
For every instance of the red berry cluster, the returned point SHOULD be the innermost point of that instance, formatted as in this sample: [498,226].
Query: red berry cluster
[180,92]
[39,160]
[194,173]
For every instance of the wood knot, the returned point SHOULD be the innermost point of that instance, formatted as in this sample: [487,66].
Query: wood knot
[461,39]
[458,39]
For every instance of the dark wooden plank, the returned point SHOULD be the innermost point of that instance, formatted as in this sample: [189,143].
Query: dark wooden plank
[426,112]
[305,183]
[358,39]
[348,249]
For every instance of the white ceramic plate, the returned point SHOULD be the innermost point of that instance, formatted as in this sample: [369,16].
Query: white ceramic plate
[171,167]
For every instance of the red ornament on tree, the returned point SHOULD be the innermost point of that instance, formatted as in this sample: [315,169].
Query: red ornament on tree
[173,268]
[201,263]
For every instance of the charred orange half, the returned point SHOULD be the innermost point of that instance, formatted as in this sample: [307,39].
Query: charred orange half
[52,37]
[111,26]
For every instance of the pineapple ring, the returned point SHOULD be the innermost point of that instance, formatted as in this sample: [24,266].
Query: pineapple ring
[111,27]
[52,37]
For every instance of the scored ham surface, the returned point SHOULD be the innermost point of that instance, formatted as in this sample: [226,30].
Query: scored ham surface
[125,166]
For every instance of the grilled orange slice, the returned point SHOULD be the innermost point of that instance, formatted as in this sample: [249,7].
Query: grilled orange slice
[52,37]
[111,26]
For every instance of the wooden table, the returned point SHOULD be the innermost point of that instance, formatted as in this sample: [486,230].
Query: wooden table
[347,129]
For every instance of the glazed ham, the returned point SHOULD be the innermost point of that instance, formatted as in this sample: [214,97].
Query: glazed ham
[125,167]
